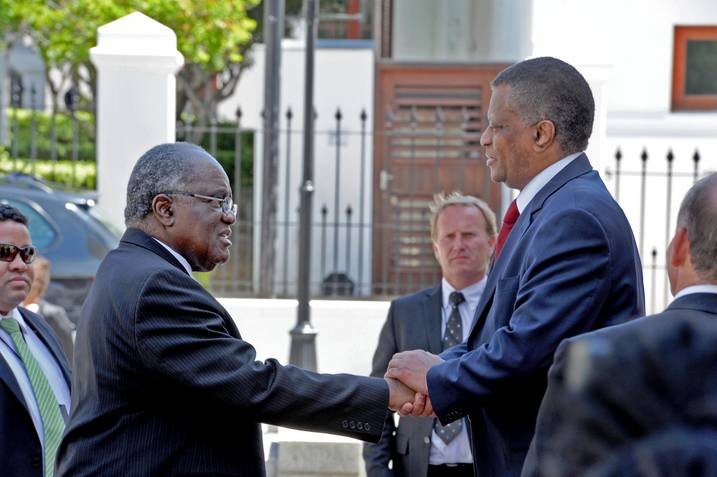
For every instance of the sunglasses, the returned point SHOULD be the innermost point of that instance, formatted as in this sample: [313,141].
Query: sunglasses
[8,252]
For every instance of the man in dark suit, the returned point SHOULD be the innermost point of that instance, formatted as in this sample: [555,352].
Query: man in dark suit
[164,382]
[617,395]
[34,375]
[463,231]
[565,263]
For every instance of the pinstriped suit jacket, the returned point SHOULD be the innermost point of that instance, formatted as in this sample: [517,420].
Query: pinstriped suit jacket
[164,384]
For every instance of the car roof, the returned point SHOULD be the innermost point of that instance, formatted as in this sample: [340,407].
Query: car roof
[32,187]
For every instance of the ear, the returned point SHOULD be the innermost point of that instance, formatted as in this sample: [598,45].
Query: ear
[162,206]
[492,240]
[435,249]
[544,135]
[680,248]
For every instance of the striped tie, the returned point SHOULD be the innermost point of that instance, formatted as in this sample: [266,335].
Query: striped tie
[53,424]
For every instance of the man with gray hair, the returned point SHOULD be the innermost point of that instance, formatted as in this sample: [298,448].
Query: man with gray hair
[638,398]
[565,263]
[463,232]
[164,384]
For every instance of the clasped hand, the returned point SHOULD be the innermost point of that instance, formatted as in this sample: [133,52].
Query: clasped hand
[406,376]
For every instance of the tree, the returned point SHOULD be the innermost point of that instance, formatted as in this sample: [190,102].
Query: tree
[213,36]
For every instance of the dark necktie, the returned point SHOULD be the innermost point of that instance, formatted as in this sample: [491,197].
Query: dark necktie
[511,216]
[451,337]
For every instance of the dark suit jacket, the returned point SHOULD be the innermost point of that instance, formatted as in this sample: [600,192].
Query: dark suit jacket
[20,448]
[413,322]
[614,390]
[165,385]
[570,265]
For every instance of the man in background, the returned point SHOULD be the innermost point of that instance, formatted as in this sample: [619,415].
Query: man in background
[463,232]
[34,374]
[565,263]
[164,382]
[639,399]
[54,315]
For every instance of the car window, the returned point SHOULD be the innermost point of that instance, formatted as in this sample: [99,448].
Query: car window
[42,233]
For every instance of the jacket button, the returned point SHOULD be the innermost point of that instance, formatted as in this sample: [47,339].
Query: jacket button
[345,424]
[36,462]
[426,440]
[367,427]
[352,425]
[360,426]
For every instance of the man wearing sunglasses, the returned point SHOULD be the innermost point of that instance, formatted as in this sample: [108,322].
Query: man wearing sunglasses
[164,382]
[34,374]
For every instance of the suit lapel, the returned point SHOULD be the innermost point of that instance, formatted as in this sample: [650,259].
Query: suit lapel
[31,320]
[432,317]
[8,378]
[576,168]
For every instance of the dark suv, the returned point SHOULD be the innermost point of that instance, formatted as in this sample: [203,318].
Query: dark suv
[67,230]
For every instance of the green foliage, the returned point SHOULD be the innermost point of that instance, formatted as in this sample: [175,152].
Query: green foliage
[20,125]
[80,174]
[209,32]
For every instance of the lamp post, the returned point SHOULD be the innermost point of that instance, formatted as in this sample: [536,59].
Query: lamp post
[303,336]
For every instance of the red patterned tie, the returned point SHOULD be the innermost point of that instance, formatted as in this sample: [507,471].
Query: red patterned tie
[511,216]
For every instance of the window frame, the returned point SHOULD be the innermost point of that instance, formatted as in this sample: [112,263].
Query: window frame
[680,100]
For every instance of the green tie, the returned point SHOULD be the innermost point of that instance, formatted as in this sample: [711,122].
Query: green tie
[52,423]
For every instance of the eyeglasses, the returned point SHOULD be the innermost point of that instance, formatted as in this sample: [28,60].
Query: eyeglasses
[226,204]
[8,252]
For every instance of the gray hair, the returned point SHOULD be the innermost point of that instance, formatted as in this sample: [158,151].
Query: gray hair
[163,168]
[698,214]
[548,88]
[443,200]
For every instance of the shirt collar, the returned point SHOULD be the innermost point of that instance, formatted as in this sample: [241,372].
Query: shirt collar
[538,182]
[703,288]
[471,293]
[181,259]
[15,313]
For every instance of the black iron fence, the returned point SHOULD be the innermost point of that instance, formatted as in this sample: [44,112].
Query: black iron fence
[650,188]
[370,223]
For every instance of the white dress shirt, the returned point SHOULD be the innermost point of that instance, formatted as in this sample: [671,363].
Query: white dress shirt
[44,358]
[704,288]
[181,259]
[459,449]
[532,188]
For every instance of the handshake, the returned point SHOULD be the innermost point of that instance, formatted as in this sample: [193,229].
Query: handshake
[407,385]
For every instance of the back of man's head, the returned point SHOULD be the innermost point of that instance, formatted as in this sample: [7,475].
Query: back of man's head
[698,215]
[549,88]
[164,168]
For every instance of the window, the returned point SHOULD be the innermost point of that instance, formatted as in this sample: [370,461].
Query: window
[42,233]
[694,68]
[346,20]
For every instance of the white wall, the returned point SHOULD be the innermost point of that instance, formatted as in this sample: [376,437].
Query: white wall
[462,30]
[343,79]
[632,44]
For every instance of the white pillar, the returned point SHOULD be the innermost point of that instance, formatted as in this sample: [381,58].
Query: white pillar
[136,58]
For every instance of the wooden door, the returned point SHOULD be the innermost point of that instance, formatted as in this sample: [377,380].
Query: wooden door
[428,123]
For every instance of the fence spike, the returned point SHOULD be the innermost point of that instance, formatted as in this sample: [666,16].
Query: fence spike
[670,155]
[238,113]
[363,115]
[324,210]
[349,210]
[618,155]
[643,156]
[338,114]
[289,114]
[696,156]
